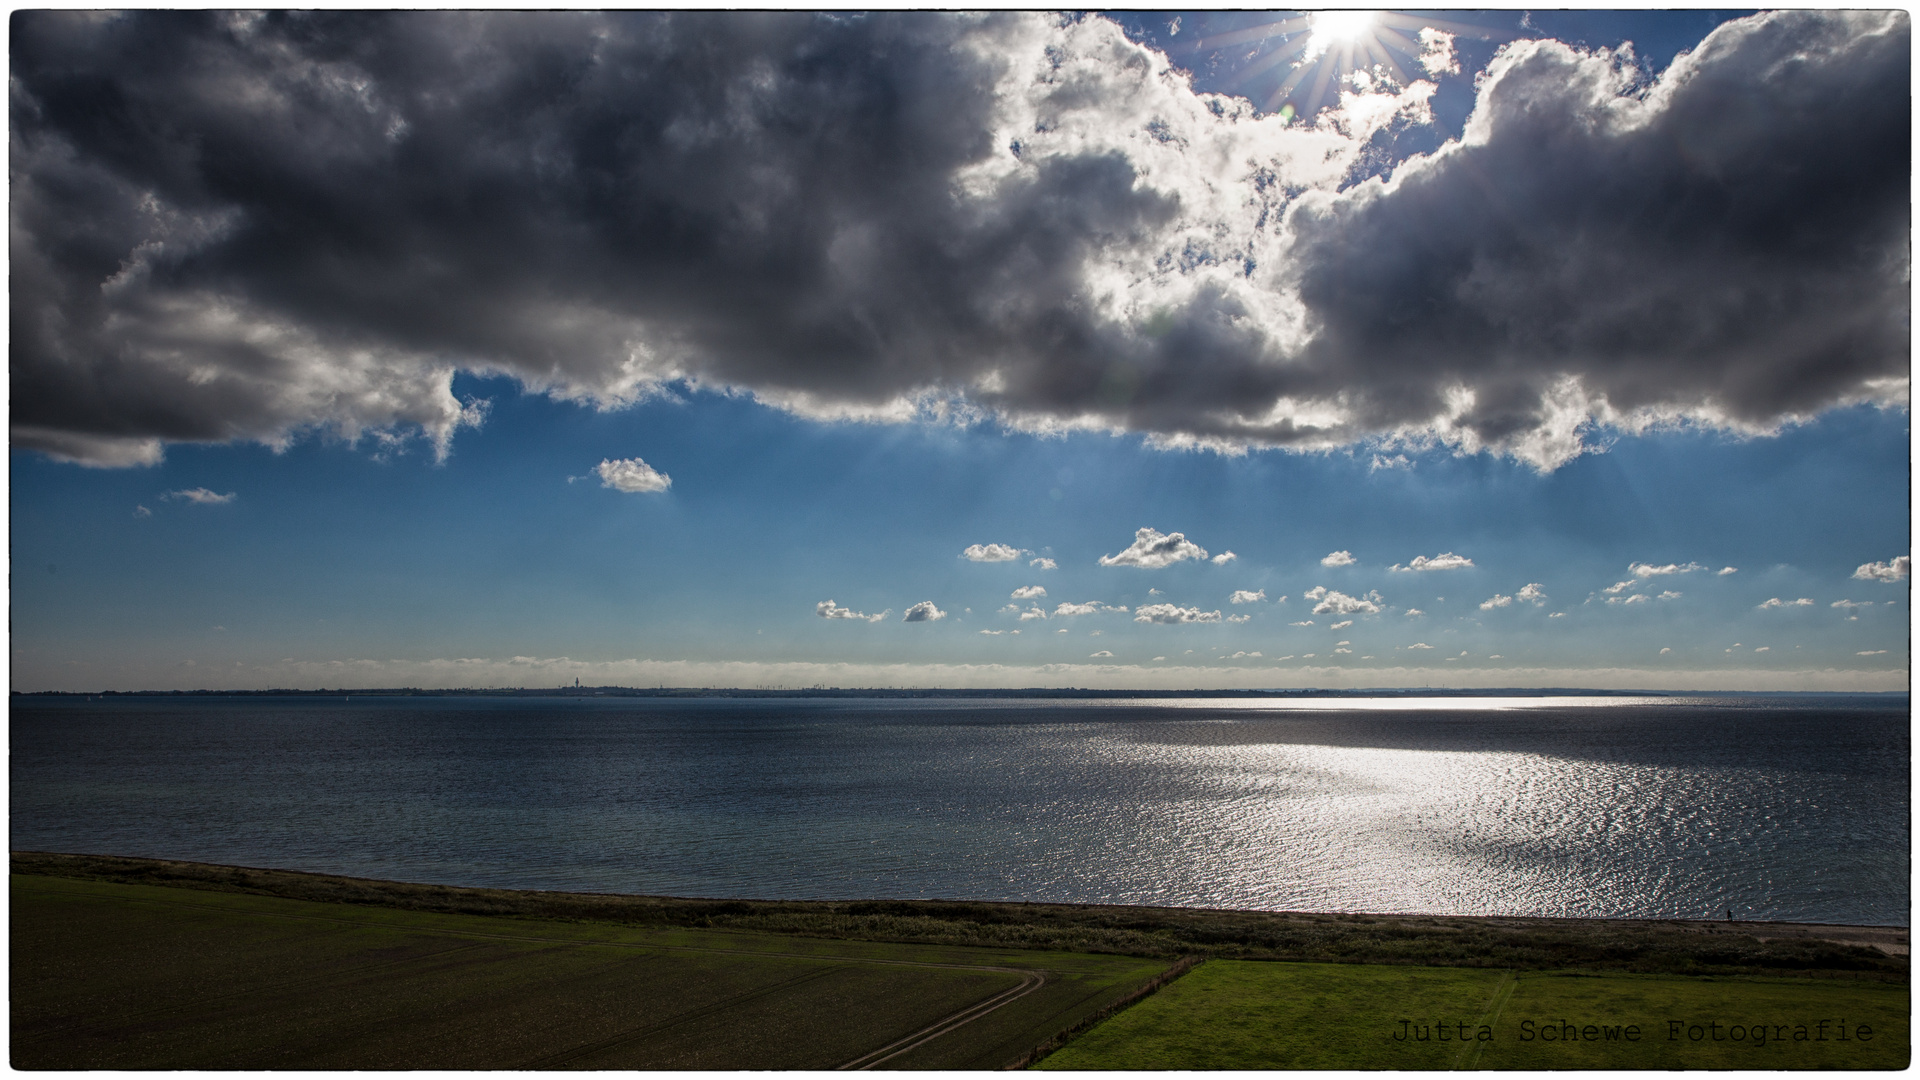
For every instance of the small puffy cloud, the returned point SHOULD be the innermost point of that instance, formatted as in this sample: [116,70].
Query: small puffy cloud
[1303,622]
[1725,570]
[1444,561]
[1339,651]
[1158,659]
[1098,655]
[827,609]
[1532,593]
[995,633]
[1637,598]
[1171,614]
[1558,615]
[1341,625]
[1224,558]
[992,553]
[1029,592]
[1850,604]
[1776,602]
[924,611]
[1419,645]
[1339,558]
[141,511]
[1885,571]
[1155,592]
[1044,563]
[1243,596]
[1664,652]
[632,475]
[1414,612]
[1495,601]
[1618,587]
[1343,643]
[1670,594]
[1239,618]
[1331,602]
[1091,607]
[1871,652]
[1242,655]
[202,497]
[1032,613]
[1764,648]
[1647,570]
[1397,461]
[1151,550]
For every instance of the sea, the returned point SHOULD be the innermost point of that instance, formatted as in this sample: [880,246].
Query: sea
[1790,808]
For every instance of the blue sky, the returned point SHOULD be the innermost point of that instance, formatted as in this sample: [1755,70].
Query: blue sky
[278,473]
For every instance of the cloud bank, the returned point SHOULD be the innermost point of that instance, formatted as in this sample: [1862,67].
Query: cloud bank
[254,226]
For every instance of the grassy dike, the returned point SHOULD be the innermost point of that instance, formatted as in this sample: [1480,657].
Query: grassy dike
[134,963]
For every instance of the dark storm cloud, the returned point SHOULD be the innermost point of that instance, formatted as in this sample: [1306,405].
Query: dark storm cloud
[232,227]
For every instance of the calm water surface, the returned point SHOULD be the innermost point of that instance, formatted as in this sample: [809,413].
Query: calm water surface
[1778,809]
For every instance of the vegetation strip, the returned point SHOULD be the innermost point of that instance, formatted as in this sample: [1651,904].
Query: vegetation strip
[1180,967]
[1649,946]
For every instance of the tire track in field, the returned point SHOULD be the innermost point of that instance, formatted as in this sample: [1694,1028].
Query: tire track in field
[1470,1055]
[1032,978]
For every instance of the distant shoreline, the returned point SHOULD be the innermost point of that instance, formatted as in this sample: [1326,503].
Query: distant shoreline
[1041,693]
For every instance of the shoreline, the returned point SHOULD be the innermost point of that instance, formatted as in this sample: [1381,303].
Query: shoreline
[1704,946]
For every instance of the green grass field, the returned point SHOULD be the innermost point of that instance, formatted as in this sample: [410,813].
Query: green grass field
[114,975]
[1229,1014]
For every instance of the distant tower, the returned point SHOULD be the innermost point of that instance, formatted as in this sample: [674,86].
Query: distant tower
[576,682]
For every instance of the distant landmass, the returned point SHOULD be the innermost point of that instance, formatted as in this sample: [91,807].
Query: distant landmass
[938,692]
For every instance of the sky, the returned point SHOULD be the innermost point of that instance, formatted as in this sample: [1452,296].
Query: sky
[1155,350]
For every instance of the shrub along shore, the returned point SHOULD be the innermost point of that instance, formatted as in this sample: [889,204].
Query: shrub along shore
[1676,947]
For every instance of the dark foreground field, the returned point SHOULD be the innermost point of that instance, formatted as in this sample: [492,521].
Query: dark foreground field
[131,963]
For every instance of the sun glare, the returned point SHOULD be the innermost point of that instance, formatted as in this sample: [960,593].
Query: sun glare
[1297,63]
[1339,27]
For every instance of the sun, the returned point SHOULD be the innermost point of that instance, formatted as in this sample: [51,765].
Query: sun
[1331,28]
[1298,63]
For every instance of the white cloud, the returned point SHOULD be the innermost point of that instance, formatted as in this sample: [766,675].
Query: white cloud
[1670,594]
[141,511]
[1224,558]
[1243,596]
[1091,607]
[1619,587]
[1032,613]
[1151,550]
[1725,570]
[201,496]
[1850,604]
[1303,622]
[1158,659]
[1637,598]
[1044,564]
[1029,592]
[1885,571]
[992,553]
[1339,558]
[1558,615]
[1332,602]
[1169,614]
[1339,651]
[827,609]
[1062,630]
[1871,652]
[1665,651]
[1444,561]
[1776,602]
[1647,570]
[1239,618]
[1341,625]
[1533,593]
[1101,653]
[1495,601]
[1414,612]
[1343,643]
[1397,461]
[632,475]
[1419,645]
[924,611]
[995,633]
